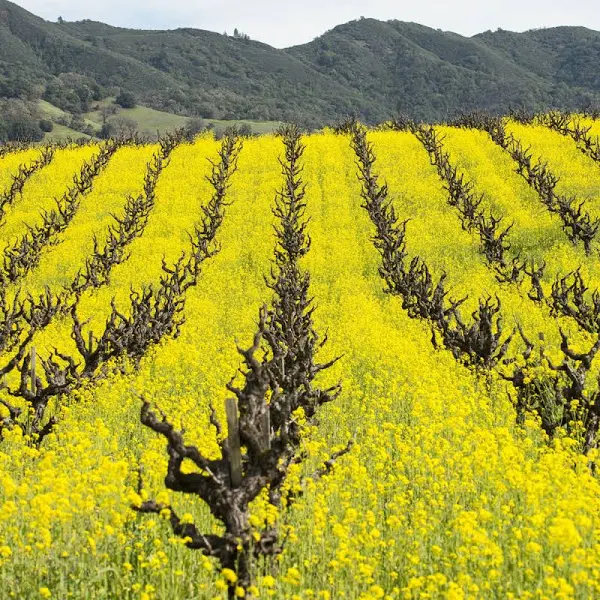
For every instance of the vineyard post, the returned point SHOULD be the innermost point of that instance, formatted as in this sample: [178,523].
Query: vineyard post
[91,342]
[233,442]
[33,380]
[266,429]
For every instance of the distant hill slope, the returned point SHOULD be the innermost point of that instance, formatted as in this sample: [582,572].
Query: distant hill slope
[430,74]
[369,67]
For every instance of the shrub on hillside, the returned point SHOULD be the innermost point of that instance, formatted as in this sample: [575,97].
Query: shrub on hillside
[24,130]
[46,125]
[126,99]
[195,126]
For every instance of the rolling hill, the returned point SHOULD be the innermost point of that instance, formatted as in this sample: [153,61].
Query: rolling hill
[368,67]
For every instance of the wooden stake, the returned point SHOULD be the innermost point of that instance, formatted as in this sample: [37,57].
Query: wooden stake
[33,379]
[91,342]
[266,429]
[233,442]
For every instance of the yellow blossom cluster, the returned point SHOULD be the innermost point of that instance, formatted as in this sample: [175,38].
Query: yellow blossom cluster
[123,176]
[593,124]
[435,234]
[41,190]
[10,163]
[442,495]
[578,174]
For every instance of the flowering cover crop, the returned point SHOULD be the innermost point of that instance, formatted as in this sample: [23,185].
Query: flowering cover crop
[454,486]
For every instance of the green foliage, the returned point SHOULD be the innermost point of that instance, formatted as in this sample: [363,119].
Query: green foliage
[240,35]
[72,92]
[119,127]
[195,126]
[245,130]
[16,88]
[46,126]
[126,99]
[21,130]
[368,68]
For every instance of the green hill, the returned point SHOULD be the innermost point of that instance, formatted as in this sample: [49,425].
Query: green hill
[432,74]
[368,67]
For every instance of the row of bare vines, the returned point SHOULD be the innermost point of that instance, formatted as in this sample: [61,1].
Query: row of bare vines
[577,223]
[569,296]
[25,253]
[128,226]
[154,312]
[480,343]
[562,395]
[264,410]
[19,315]
[461,196]
[572,127]
[19,180]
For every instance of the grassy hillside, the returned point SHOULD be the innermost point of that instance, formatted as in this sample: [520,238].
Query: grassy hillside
[148,121]
[61,133]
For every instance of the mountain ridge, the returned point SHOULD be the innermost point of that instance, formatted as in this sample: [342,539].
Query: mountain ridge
[367,67]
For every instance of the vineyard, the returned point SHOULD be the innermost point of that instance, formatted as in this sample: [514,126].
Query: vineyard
[351,364]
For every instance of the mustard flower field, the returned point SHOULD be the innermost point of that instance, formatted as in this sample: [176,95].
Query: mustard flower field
[358,363]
